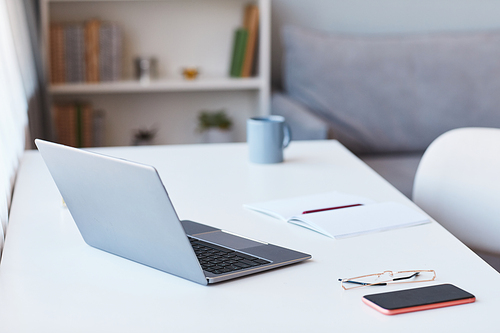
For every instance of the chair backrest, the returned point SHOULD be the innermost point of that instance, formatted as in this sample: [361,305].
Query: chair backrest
[458,184]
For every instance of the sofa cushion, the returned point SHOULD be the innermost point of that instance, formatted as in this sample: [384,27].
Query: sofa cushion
[394,93]
[303,124]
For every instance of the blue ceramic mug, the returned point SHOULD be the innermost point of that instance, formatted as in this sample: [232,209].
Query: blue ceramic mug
[266,138]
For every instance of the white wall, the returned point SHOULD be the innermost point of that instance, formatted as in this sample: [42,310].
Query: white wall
[380,16]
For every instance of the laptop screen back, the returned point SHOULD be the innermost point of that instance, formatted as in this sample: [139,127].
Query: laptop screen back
[122,207]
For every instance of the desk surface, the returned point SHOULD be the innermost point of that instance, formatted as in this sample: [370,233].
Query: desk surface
[51,281]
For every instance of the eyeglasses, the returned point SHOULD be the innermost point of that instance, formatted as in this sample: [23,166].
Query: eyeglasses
[388,277]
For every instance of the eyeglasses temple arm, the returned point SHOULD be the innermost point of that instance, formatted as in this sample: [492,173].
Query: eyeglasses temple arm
[363,283]
[406,277]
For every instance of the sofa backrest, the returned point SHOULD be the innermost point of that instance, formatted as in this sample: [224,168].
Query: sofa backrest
[394,93]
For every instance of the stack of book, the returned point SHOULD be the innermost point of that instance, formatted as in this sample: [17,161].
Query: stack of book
[89,52]
[243,62]
[78,125]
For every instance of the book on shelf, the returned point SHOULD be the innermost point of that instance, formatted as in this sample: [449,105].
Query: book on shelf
[74,53]
[65,123]
[240,42]
[57,53]
[92,28]
[77,124]
[251,23]
[245,45]
[110,52]
[340,215]
[98,128]
[87,52]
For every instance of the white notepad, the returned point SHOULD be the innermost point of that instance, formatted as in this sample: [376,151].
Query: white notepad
[359,215]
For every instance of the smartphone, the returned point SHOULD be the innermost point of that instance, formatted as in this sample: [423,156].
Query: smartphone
[417,299]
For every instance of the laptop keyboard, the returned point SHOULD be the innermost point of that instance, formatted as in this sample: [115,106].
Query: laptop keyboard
[219,260]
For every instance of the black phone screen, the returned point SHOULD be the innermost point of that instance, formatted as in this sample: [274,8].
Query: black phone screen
[418,296]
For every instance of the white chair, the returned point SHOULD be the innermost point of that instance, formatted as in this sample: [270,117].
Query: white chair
[458,184]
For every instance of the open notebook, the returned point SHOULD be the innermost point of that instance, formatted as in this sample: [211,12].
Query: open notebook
[339,215]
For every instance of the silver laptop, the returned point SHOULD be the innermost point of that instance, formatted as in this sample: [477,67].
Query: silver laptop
[122,207]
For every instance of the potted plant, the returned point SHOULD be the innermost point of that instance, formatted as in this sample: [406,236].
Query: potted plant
[144,136]
[215,126]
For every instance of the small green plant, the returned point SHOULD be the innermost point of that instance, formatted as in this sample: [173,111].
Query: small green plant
[144,136]
[213,119]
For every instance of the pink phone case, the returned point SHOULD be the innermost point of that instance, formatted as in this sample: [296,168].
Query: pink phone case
[417,308]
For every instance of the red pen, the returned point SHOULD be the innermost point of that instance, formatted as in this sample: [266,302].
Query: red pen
[331,208]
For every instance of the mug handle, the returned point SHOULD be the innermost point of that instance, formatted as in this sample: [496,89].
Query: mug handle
[287,135]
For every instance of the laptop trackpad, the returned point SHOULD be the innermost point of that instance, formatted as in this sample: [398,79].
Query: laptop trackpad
[230,240]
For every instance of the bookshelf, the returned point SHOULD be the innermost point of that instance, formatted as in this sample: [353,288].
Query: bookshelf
[161,85]
[178,33]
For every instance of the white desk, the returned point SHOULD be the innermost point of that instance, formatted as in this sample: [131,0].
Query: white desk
[51,281]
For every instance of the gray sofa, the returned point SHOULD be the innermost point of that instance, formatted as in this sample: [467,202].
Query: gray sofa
[386,98]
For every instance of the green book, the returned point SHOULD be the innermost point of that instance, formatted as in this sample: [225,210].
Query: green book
[240,44]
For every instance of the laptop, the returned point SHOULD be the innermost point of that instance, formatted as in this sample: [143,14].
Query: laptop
[123,208]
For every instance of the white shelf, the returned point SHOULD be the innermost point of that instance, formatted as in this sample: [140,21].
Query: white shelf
[163,85]
[52,1]
[178,33]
